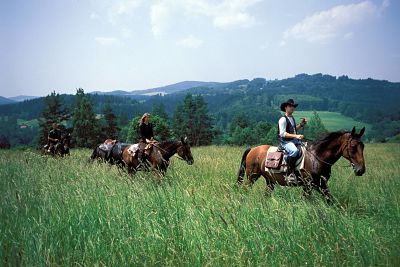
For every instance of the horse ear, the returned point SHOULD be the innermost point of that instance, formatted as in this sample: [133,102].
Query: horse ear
[353,131]
[182,140]
[361,132]
[186,139]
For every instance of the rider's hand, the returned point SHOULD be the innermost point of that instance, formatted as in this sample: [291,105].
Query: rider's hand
[303,122]
[300,136]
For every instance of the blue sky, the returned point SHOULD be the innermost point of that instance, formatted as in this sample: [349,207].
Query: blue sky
[48,45]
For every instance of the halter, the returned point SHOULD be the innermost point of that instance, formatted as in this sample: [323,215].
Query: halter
[179,157]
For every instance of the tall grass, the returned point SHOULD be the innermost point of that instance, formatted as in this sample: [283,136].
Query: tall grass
[71,212]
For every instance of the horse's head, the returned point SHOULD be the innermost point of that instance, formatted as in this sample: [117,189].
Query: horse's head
[184,151]
[354,151]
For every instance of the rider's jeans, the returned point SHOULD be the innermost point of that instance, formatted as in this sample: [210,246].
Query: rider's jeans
[290,147]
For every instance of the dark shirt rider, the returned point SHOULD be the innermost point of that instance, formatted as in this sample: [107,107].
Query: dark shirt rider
[146,136]
[146,132]
[53,137]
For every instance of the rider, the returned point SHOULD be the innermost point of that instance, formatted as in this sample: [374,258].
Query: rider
[289,139]
[53,137]
[146,135]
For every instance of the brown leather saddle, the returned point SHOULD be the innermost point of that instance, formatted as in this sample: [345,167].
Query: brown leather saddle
[275,159]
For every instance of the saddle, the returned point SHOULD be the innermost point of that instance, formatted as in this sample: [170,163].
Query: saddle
[105,147]
[275,162]
[133,149]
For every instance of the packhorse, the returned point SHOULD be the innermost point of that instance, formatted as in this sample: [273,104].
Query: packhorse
[159,156]
[110,151]
[319,157]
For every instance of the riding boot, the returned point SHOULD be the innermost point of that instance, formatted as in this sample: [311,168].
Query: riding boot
[141,159]
[291,177]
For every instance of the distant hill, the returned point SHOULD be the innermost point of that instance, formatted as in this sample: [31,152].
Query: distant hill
[163,90]
[22,98]
[4,100]
[366,101]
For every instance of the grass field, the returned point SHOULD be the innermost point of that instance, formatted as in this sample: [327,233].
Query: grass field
[69,212]
[333,121]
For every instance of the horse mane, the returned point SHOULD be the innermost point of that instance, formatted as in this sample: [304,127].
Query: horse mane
[167,144]
[326,139]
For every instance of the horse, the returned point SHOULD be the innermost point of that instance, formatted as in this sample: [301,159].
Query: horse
[160,155]
[61,148]
[319,157]
[101,152]
[110,151]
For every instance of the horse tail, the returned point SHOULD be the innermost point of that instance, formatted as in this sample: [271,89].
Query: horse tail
[242,168]
[94,153]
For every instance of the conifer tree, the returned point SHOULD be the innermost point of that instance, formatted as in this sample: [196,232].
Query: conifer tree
[84,122]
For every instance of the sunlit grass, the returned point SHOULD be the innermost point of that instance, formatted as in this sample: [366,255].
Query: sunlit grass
[71,212]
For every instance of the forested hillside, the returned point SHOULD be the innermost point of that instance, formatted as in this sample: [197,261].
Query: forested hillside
[251,101]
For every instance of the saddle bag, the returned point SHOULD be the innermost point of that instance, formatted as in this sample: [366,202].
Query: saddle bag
[274,160]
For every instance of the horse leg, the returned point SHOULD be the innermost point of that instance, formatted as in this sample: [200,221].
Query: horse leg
[307,190]
[321,185]
[270,185]
[252,178]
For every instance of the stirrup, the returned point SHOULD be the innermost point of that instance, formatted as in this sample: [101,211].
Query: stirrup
[291,179]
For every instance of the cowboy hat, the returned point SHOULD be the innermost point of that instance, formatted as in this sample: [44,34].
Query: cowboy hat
[288,102]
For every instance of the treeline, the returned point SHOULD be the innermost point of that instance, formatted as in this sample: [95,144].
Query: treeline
[191,119]
[371,101]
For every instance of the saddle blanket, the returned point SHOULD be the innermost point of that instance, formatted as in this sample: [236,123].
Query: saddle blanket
[283,166]
[105,147]
[133,149]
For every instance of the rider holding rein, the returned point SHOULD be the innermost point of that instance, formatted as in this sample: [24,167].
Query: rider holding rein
[53,137]
[289,139]
[146,135]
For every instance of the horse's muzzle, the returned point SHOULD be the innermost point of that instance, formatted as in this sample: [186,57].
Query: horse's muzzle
[190,162]
[358,170]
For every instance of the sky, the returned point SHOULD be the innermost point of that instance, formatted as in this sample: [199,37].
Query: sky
[62,45]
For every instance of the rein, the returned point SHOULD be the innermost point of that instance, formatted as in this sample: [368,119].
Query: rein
[162,149]
[323,161]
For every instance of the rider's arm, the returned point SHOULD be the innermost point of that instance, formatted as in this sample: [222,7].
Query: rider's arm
[293,136]
[301,124]
[283,133]
[51,139]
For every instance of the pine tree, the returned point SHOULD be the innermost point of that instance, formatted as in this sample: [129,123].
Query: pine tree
[179,123]
[84,122]
[191,119]
[314,128]
[203,123]
[53,112]
[110,129]
[159,110]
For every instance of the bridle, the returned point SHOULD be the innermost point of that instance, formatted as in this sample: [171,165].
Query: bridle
[348,143]
[164,150]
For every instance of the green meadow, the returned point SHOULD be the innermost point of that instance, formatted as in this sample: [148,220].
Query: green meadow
[71,212]
[333,121]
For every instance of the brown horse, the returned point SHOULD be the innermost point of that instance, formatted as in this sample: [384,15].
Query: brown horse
[160,154]
[319,158]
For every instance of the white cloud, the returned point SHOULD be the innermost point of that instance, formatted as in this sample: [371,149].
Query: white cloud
[94,16]
[234,20]
[121,8]
[160,15]
[190,42]
[108,41]
[223,14]
[326,25]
